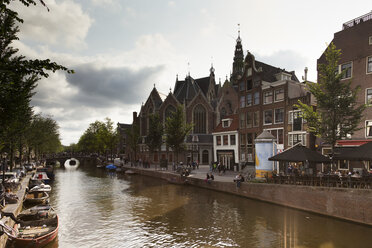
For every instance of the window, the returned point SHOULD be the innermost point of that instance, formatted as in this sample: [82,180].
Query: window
[225,140]
[256,118]
[279,95]
[279,115]
[268,117]
[249,120]
[200,119]
[242,140]
[346,68]
[369,96]
[249,99]
[169,111]
[369,64]
[268,97]
[256,83]
[241,86]
[370,40]
[256,99]
[296,120]
[249,72]
[218,140]
[278,134]
[223,113]
[225,124]
[249,138]
[249,84]
[368,129]
[295,138]
[242,120]
[232,140]
[242,101]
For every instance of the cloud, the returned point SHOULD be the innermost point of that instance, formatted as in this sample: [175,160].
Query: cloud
[286,59]
[66,24]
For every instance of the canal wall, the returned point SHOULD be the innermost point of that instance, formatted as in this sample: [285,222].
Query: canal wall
[14,208]
[344,203]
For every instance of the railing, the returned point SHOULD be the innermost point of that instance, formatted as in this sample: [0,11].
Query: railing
[357,20]
[364,182]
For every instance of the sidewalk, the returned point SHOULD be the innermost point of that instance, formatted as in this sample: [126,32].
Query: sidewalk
[200,173]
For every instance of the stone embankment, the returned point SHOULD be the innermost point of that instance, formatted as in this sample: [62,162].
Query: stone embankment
[15,208]
[344,203]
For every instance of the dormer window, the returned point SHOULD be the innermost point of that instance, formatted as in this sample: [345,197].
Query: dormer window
[283,76]
[226,123]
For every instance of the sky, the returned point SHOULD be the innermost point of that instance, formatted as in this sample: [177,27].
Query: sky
[120,49]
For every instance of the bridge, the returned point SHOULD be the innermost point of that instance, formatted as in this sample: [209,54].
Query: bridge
[83,159]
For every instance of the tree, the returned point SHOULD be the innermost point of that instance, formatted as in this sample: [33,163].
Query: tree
[133,136]
[42,136]
[176,130]
[18,79]
[337,113]
[154,139]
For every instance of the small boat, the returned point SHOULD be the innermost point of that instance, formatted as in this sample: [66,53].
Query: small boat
[111,167]
[38,212]
[41,187]
[48,169]
[72,163]
[35,233]
[36,197]
[41,175]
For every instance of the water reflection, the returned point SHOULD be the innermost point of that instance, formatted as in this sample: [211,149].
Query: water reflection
[101,210]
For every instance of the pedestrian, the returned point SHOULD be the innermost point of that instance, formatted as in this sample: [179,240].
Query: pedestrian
[238,180]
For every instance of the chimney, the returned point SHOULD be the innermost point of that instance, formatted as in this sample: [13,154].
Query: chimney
[134,116]
[306,74]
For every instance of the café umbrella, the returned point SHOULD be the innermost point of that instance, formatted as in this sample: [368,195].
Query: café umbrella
[300,153]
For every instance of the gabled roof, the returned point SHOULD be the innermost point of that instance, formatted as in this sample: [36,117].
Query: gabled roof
[233,127]
[268,72]
[203,84]
[186,90]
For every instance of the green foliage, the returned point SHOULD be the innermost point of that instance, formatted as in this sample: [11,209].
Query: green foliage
[337,113]
[18,80]
[154,138]
[176,130]
[100,137]
[42,136]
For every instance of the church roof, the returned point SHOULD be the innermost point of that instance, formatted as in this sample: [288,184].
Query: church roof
[186,90]
[203,84]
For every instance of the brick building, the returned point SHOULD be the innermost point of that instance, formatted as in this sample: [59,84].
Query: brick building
[266,98]
[355,42]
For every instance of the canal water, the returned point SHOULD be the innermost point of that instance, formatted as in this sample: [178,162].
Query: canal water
[98,209]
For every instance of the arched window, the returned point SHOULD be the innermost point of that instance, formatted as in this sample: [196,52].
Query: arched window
[200,119]
[205,157]
[169,111]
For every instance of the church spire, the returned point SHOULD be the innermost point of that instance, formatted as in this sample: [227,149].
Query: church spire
[238,63]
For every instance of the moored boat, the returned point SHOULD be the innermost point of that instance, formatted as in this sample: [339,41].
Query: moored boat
[37,212]
[36,197]
[41,187]
[41,176]
[35,233]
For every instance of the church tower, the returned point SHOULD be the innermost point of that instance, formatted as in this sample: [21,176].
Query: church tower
[238,64]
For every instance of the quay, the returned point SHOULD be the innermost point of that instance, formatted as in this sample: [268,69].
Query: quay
[350,204]
[14,208]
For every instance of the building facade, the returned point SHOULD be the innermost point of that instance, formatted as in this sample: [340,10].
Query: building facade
[355,42]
